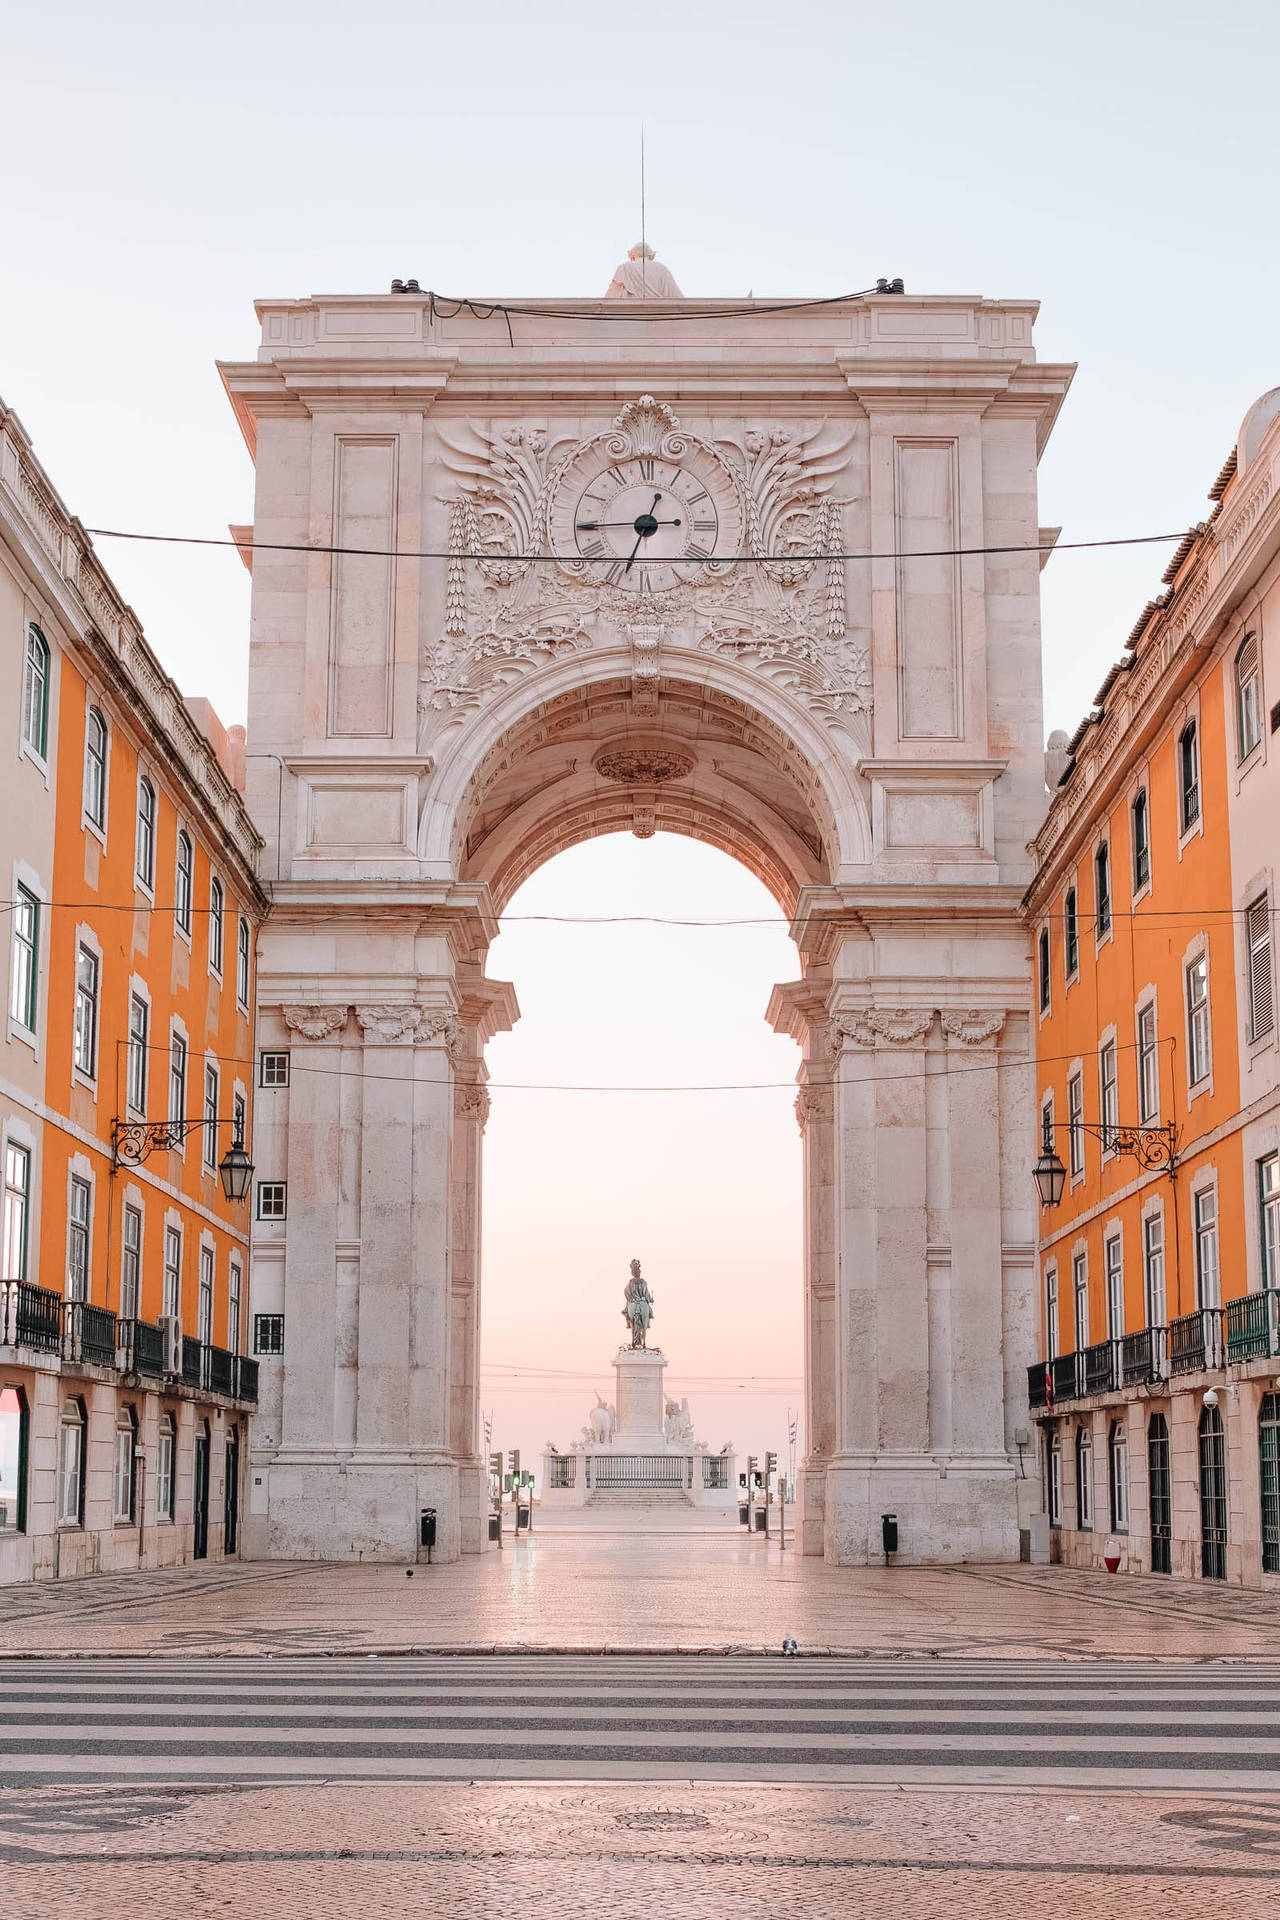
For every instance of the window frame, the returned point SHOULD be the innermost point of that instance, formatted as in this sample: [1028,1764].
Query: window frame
[37,671]
[1071,934]
[1103,900]
[1084,1479]
[268,1334]
[1108,1095]
[1080,1297]
[172,1248]
[166,1466]
[78,1280]
[24,961]
[15,1217]
[1268,1190]
[1140,839]
[99,762]
[131,1251]
[124,1511]
[1118,1474]
[244,963]
[179,1077]
[209,1117]
[1148,1063]
[235,1303]
[1076,1162]
[1052,1320]
[1155,1280]
[268,1212]
[184,883]
[1190,810]
[274,1054]
[86,1013]
[22,1460]
[217,928]
[1044,986]
[1206,1234]
[206,1292]
[1259,968]
[1113,1281]
[137,1073]
[1199,1021]
[72,1421]
[1247,677]
[146,828]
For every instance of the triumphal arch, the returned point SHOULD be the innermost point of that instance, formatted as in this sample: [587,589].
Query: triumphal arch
[763,572]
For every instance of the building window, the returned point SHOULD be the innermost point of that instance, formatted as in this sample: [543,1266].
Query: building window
[204,1309]
[24,968]
[79,1206]
[242,963]
[1159,1494]
[209,1132]
[173,1271]
[1204,1216]
[1051,1312]
[239,1119]
[35,693]
[137,1053]
[268,1333]
[1102,888]
[95,769]
[271,1199]
[177,1077]
[1043,952]
[1108,1095]
[14,1436]
[1046,1124]
[1071,933]
[1258,936]
[1118,1476]
[1080,1294]
[84,1041]
[273,1069]
[1188,776]
[17,1209]
[216,904]
[1148,1065]
[184,876]
[1113,1260]
[130,1262]
[1213,1495]
[1198,1054]
[1084,1479]
[71,1464]
[1075,1124]
[126,1459]
[1140,825]
[1153,1269]
[1269,1461]
[1055,1479]
[144,864]
[166,1438]
[233,1306]
[1248,695]
[1269,1218]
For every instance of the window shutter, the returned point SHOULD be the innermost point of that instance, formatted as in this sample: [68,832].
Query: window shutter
[1261,1000]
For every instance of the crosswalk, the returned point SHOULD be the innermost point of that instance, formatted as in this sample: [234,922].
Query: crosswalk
[537,1718]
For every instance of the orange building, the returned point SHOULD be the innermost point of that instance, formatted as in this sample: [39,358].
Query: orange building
[1154,997]
[124,1372]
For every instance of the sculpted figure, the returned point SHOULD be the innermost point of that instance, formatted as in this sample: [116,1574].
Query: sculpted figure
[600,1430]
[638,1311]
[642,277]
[678,1424]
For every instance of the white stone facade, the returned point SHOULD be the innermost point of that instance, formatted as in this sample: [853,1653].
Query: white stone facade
[863,732]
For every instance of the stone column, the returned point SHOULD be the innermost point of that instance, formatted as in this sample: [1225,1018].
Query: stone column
[815,1114]
[314,1171]
[470,1113]
[975,1428]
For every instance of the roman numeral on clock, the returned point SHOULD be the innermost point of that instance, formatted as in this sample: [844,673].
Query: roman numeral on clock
[694,552]
[594,550]
[705,526]
[646,469]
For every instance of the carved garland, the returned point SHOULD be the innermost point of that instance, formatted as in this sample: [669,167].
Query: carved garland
[976,1029]
[880,1026]
[314,1022]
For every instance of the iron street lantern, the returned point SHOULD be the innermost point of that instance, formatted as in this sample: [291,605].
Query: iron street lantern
[235,1170]
[1050,1177]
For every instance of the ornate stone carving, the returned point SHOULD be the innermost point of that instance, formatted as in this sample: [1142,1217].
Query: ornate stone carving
[880,1026]
[314,1022]
[442,1024]
[814,1104]
[472,1103]
[640,765]
[390,1022]
[976,1029]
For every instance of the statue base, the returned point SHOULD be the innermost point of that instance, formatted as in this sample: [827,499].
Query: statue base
[640,1399]
[639,1466]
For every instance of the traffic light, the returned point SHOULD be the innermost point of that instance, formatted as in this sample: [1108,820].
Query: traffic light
[770,1466]
[513,1462]
[495,1465]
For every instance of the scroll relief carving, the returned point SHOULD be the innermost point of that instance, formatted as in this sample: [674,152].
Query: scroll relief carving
[977,1029]
[472,1103]
[512,492]
[880,1026]
[390,1023]
[440,1024]
[814,1105]
[314,1023]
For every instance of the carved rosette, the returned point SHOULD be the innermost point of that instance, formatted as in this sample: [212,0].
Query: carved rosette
[388,1024]
[814,1107]
[880,1027]
[314,1022]
[980,1028]
[472,1103]
[642,764]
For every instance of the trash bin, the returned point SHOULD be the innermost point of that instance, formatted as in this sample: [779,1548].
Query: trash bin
[744,1514]
[762,1519]
[495,1526]
[522,1517]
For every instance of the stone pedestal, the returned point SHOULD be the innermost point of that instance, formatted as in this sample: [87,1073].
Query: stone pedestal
[641,1400]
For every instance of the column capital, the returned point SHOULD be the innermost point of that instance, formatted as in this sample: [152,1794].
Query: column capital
[442,1023]
[881,1027]
[312,1022]
[814,1105]
[471,1102]
[389,1021]
[979,1027]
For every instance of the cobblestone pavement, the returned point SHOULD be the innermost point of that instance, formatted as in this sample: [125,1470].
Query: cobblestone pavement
[634,1852]
[565,1590]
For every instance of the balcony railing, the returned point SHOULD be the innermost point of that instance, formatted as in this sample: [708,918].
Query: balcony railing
[1101,1367]
[89,1334]
[1195,1341]
[247,1379]
[1038,1384]
[1065,1384]
[30,1316]
[1144,1357]
[220,1370]
[141,1348]
[193,1352]
[1253,1326]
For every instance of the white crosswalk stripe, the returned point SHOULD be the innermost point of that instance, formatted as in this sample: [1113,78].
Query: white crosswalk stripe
[1204,1725]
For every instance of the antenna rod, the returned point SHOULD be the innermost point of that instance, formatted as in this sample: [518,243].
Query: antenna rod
[643,255]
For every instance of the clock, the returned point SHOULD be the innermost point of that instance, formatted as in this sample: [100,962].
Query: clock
[648,522]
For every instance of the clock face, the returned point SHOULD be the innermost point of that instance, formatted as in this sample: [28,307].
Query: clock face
[646,524]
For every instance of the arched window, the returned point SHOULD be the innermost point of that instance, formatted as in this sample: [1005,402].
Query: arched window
[35,693]
[14,1435]
[1084,1479]
[1102,887]
[145,853]
[1159,1494]
[1188,776]
[126,1458]
[1269,1461]
[1213,1495]
[1248,695]
[95,768]
[184,882]
[1118,1475]
[71,1464]
[1043,951]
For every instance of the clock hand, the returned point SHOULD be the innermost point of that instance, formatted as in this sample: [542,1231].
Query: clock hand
[645,524]
[598,526]
[634,551]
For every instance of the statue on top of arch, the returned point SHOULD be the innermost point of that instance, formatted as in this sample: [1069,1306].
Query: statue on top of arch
[642,276]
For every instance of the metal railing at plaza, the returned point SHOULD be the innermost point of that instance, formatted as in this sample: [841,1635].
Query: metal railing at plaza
[30,1316]
[639,1470]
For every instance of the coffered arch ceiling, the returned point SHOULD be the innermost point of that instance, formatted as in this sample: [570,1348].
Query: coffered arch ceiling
[698,761]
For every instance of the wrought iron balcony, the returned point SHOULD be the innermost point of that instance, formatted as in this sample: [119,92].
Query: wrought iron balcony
[141,1348]
[1253,1326]
[1065,1378]
[1038,1384]
[193,1361]
[247,1379]
[1144,1357]
[30,1316]
[88,1334]
[1195,1341]
[1101,1369]
[220,1370]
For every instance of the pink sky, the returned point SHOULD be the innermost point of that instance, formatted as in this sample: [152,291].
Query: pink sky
[703,1187]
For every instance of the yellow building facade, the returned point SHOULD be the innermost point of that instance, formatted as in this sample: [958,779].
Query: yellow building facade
[1157,1390]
